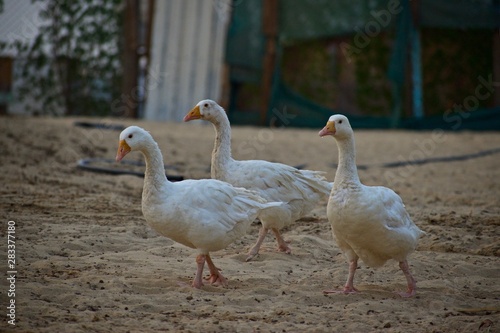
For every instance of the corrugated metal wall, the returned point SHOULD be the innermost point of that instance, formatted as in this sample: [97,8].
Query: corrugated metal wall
[187,56]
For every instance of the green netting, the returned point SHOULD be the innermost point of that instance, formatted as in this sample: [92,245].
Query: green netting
[397,64]
[400,50]
[299,19]
[470,14]
[310,19]
[291,109]
[480,119]
[245,42]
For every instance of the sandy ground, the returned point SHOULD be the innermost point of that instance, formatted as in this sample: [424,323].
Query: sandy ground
[86,262]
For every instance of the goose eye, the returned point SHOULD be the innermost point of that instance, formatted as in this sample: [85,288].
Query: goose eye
[130,136]
[206,105]
[340,121]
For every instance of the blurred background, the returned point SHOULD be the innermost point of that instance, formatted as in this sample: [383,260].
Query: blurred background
[419,64]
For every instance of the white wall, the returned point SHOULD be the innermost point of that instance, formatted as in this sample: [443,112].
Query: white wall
[187,55]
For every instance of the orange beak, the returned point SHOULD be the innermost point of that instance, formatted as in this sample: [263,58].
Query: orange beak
[193,114]
[329,129]
[123,149]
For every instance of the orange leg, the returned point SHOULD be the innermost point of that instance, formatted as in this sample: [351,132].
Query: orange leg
[282,244]
[216,276]
[412,284]
[349,285]
[255,249]
[200,262]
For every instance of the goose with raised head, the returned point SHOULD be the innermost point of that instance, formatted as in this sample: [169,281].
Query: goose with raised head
[299,190]
[206,215]
[369,222]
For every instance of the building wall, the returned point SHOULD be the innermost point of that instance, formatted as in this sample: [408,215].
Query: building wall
[18,21]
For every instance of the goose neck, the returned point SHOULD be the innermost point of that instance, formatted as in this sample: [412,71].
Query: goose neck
[154,176]
[347,171]
[221,154]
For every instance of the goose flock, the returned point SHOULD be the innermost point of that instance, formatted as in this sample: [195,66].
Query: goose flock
[368,222]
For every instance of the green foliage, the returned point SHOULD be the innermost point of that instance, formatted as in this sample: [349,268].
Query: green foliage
[373,90]
[452,61]
[320,71]
[74,61]
[310,69]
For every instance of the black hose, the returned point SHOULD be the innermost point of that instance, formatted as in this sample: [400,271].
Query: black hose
[85,164]
[430,160]
[99,125]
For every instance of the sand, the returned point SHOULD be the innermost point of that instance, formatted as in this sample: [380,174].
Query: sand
[86,262]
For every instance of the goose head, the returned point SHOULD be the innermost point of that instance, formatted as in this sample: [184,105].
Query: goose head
[206,110]
[132,138]
[337,126]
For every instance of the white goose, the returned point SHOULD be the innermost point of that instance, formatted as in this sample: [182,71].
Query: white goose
[299,190]
[206,215]
[369,222]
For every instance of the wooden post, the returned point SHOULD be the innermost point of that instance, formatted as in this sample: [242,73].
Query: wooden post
[270,31]
[146,40]
[149,29]
[130,58]
[5,83]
